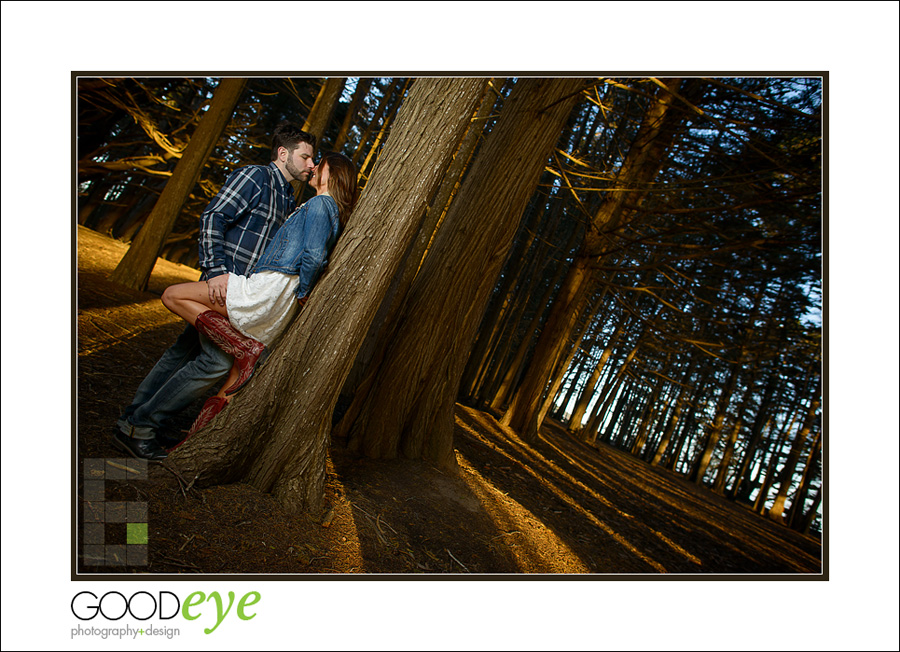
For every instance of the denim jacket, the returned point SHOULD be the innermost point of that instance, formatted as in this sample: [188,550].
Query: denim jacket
[302,244]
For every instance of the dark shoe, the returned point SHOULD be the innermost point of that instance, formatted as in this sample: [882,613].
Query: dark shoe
[145,449]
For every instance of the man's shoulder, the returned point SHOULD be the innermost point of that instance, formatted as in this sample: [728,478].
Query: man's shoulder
[259,175]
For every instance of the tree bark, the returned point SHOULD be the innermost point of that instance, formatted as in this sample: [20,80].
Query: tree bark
[409,410]
[372,156]
[134,269]
[323,108]
[274,433]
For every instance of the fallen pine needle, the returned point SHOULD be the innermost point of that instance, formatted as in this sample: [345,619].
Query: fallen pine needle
[121,466]
[456,560]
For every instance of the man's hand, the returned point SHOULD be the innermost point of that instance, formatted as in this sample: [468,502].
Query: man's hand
[218,287]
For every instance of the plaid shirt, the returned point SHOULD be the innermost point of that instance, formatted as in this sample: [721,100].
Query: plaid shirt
[241,219]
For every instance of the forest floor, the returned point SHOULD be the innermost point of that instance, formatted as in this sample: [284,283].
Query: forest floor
[560,507]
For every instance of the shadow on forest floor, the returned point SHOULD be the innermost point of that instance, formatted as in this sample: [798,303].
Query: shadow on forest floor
[557,507]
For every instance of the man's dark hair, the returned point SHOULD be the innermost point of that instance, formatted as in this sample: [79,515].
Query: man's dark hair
[289,136]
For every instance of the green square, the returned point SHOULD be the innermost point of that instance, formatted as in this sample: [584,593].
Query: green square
[136,533]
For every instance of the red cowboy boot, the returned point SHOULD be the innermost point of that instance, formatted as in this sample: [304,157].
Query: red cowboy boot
[246,350]
[211,408]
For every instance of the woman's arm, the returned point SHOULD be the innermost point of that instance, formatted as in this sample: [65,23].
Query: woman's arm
[320,231]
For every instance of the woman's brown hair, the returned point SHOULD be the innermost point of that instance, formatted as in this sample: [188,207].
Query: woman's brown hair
[342,184]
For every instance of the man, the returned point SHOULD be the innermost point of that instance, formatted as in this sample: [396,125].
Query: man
[235,229]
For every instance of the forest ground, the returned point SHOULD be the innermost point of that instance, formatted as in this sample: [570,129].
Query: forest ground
[560,507]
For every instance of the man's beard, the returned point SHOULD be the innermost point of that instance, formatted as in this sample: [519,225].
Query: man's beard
[295,172]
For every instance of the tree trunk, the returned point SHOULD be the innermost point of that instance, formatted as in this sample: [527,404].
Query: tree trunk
[409,410]
[584,314]
[670,428]
[810,515]
[134,269]
[687,425]
[768,477]
[515,369]
[373,123]
[274,433]
[372,155]
[461,160]
[323,108]
[796,514]
[362,88]
[359,382]
[650,412]
[742,486]
[590,386]
[496,334]
[715,429]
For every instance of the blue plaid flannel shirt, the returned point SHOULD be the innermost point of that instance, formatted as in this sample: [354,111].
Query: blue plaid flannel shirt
[241,219]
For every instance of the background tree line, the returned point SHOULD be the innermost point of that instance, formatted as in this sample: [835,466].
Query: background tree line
[637,258]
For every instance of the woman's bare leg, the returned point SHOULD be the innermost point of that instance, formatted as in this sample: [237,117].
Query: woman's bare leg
[232,378]
[187,300]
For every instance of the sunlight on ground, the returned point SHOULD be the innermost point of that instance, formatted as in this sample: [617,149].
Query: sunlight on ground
[349,540]
[537,467]
[519,528]
[341,525]
[606,502]
[97,331]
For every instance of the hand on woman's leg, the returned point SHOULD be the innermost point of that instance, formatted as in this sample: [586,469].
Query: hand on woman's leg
[188,300]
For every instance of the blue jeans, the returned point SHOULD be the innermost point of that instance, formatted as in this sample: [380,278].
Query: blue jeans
[184,373]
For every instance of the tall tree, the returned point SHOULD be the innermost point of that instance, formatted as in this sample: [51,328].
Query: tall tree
[134,269]
[323,108]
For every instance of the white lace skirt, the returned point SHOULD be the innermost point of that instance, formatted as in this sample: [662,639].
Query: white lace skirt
[261,306]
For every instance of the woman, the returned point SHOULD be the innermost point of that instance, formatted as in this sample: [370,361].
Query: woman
[258,307]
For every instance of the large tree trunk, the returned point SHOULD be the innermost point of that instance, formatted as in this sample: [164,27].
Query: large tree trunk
[409,410]
[323,108]
[274,434]
[134,269]
[359,381]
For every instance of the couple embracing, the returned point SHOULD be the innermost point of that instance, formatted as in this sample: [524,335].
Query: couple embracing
[260,256]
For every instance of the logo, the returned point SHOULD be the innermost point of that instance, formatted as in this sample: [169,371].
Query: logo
[165,605]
